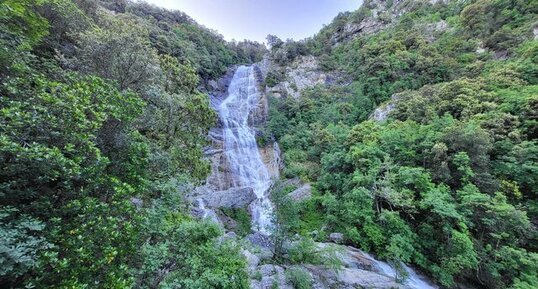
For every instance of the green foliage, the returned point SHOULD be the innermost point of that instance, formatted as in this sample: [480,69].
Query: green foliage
[306,251]
[175,33]
[21,28]
[285,219]
[274,77]
[199,260]
[447,180]
[243,219]
[119,50]
[21,245]
[299,278]
[92,158]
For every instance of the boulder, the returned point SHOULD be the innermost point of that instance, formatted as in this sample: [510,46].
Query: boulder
[260,240]
[301,194]
[252,260]
[352,257]
[273,274]
[232,198]
[337,238]
[349,278]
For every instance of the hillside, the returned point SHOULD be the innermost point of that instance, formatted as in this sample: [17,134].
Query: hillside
[396,148]
[443,173]
[102,130]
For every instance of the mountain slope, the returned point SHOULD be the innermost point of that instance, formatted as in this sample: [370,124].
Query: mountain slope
[445,177]
[102,131]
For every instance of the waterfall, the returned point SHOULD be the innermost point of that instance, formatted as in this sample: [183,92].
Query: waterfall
[240,146]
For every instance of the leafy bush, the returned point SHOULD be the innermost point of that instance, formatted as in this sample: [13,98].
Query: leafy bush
[299,278]
[242,217]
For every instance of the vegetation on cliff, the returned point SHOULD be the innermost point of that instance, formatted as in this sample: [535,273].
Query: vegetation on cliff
[103,120]
[448,181]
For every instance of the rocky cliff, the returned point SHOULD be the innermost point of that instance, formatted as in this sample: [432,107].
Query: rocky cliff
[219,190]
[302,73]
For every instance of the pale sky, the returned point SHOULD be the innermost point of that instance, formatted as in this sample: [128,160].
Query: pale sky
[254,19]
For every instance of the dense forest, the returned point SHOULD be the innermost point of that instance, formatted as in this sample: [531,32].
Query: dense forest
[101,123]
[104,115]
[449,181]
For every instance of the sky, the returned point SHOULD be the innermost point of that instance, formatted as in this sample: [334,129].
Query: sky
[255,19]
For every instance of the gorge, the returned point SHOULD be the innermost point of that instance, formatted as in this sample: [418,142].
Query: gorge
[397,147]
[242,109]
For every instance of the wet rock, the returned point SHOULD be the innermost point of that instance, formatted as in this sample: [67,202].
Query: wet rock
[222,177]
[270,154]
[213,85]
[352,257]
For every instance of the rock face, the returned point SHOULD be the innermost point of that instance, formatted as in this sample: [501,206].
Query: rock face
[349,278]
[382,112]
[304,72]
[358,271]
[272,276]
[377,15]
[223,188]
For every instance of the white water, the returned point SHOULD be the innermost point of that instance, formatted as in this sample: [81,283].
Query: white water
[413,280]
[240,147]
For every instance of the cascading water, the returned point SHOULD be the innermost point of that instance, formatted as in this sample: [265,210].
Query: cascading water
[240,146]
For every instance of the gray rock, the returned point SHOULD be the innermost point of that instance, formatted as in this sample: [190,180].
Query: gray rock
[303,73]
[382,112]
[138,203]
[351,257]
[260,240]
[232,198]
[229,223]
[252,260]
[348,278]
[273,274]
[226,237]
[301,194]
[213,85]
[336,238]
